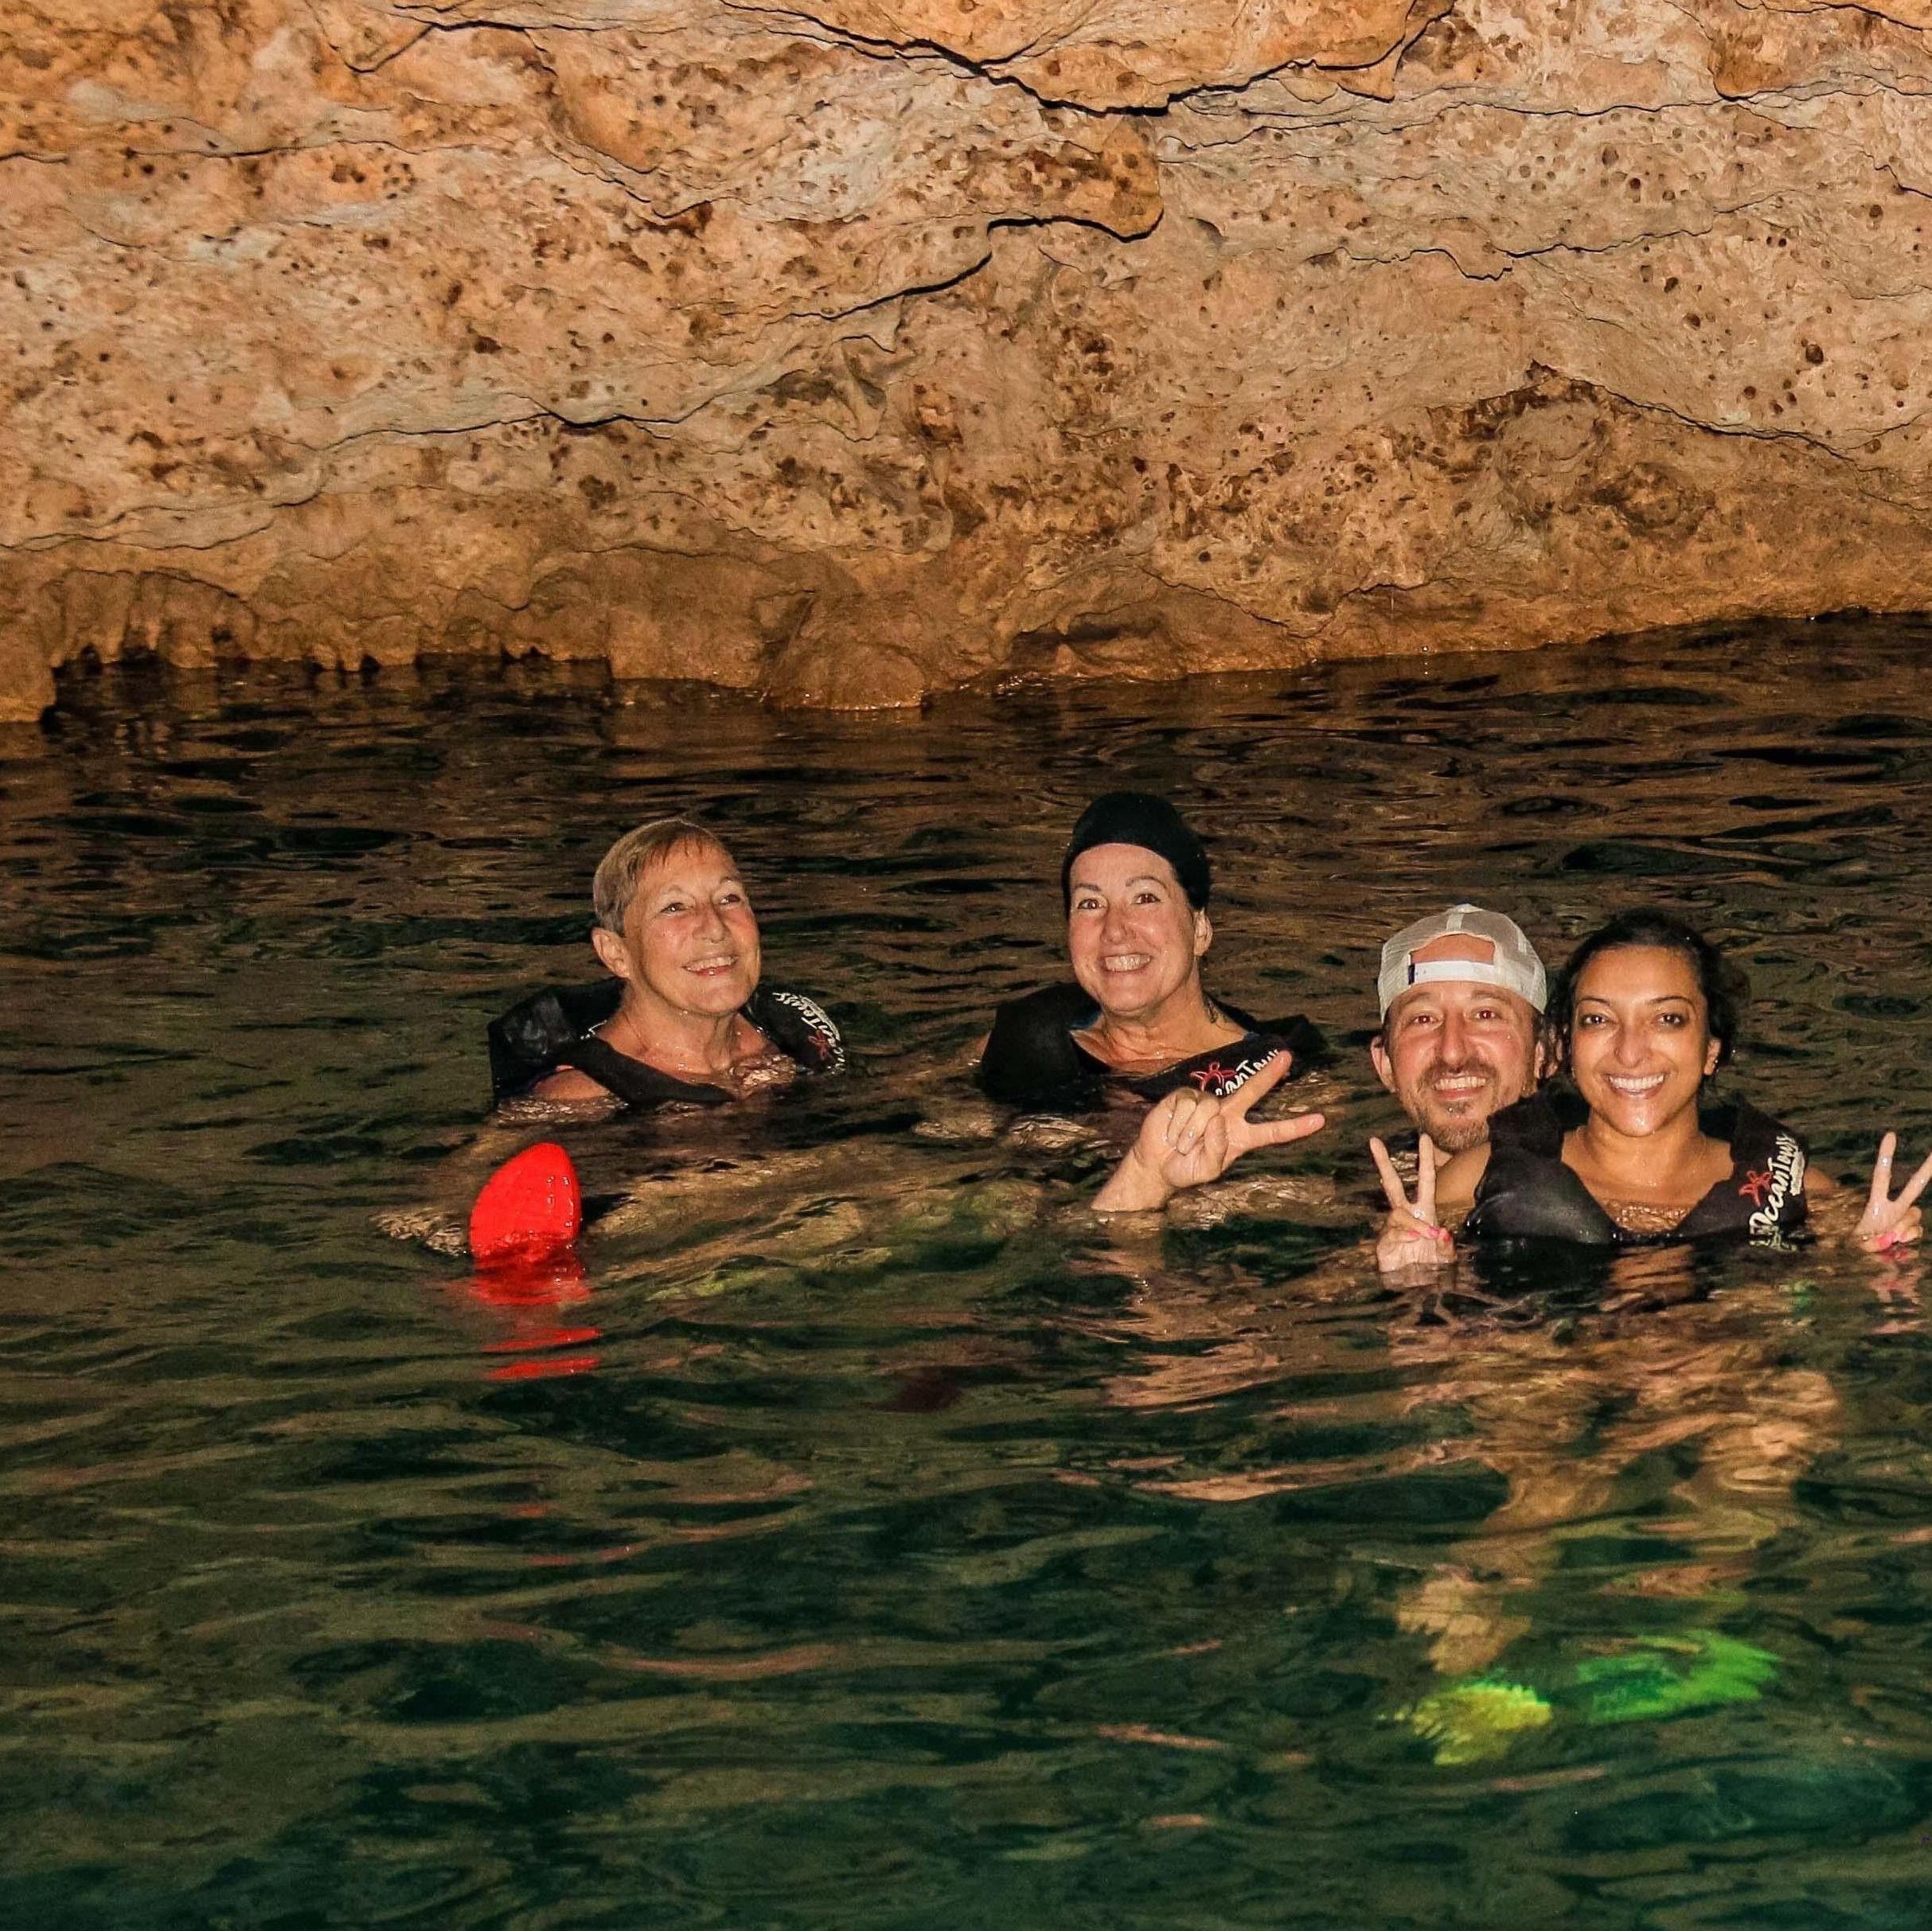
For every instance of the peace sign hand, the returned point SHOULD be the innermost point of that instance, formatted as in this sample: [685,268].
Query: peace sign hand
[1410,1236]
[1885,1221]
[1190,1138]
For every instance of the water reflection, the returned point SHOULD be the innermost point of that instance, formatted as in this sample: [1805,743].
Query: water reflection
[916,1547]
[529,1302]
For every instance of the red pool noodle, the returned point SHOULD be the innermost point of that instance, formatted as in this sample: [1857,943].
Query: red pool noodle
[530,1206]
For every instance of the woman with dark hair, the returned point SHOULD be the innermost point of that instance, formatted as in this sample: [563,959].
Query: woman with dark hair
[1628,1149]
[1137,1022]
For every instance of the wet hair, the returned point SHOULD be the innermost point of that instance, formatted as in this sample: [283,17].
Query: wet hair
[1138,817]
[1725,987]
[619,869]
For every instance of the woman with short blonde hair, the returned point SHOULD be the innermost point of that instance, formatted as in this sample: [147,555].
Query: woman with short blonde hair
[683,1017]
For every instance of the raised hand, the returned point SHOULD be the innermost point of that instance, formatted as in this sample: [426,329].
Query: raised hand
[1887,1221]
[1189,1138]
[1410,1236]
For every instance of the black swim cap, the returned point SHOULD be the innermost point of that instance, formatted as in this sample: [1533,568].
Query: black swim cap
[1138,817]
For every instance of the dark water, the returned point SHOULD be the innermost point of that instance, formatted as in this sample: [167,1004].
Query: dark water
[875,1539]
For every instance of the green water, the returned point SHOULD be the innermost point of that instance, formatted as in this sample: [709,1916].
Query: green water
[876,1539]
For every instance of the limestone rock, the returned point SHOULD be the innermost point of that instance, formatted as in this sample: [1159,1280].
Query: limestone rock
[881,346]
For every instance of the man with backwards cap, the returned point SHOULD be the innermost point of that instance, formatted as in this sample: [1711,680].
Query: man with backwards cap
[1462,995]
[1460,992]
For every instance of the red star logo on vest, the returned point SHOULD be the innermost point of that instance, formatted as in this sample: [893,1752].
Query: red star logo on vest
[1755,1186]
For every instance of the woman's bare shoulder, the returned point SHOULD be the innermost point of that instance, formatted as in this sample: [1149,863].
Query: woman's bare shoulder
[1456,1179]
[568,1086]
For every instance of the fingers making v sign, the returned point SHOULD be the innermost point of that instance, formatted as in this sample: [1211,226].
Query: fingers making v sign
[1887,1221]
[1410,1236]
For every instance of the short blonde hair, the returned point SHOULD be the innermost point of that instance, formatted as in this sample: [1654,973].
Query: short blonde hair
[619,869]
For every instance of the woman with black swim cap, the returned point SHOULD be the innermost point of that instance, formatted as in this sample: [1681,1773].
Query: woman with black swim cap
[1137,1022]
[1627,1149]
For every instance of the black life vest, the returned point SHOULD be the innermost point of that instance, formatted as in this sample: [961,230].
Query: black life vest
[557,1027]
[1033,1061]
[1527,1193]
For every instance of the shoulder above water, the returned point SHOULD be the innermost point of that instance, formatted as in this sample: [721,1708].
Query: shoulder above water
[1033,1061]
[548,1044]
[1522,1189]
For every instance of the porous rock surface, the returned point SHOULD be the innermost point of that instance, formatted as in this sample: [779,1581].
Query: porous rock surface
[856,349]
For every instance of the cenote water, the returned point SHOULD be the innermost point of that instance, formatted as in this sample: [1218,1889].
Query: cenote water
[873,1539]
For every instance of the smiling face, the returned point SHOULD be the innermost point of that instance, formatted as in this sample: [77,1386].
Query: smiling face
[1453,1052]
[690,939]
[1133,939]
[1640,1038]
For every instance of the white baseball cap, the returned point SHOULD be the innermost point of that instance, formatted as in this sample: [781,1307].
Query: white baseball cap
[1516,966]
